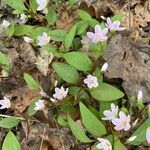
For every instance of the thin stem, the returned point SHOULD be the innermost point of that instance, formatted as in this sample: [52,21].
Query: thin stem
[7,116]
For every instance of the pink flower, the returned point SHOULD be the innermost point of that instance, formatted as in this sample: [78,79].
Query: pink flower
[115,26]
[43,39]
[39,105]
[99,35]
[112,113]
[122,123]
[5,103]
[103,144]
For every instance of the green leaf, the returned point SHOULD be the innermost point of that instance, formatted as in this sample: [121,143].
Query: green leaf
[79,60]
[10,30]
[92,124]
[77,132]
[3,59]
[67,72]
[72,2]
[51,16]
[69,37]
[15,4]
[9,122]
[118,145]
[22,30]
[30,110]
[11,142]
[84,15]
[62,121]
[141,133]
[106,92]
[33,5]
[57,35]
[31,82]
[82,26]
[117,17]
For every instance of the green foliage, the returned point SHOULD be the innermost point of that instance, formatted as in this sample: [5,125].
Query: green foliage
[79,60]
[67,72]
[69,37]
[82,26]
[33,5]
[51,16]
[84,15]
[92,124]
[57,35]
[72,2]
[31,82]
[15,4]
[77,131]
[21,30]
[9,122]
[11,142]
[141,133]
[106,92]
[118,145]
[62,121]
[10,30]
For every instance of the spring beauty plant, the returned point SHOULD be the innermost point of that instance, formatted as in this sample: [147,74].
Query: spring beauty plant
[108,119]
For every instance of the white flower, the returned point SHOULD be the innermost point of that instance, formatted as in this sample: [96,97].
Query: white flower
[104,144]
[115,26]
[148,135]
[43,39]
[42,4]
[27,39]
[140,95]
[23,19]
[39,105]
[131,139]
[122,123]
[91,81]
[112,113]
[104,67]
[60,93]
[6,24]
[5,103]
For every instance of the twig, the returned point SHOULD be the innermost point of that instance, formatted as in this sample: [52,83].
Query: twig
[7,116]
[129,2]
[42,138]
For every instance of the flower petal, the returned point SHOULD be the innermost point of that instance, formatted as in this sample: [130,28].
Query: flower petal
[98,29]
[148,135]
[91,35]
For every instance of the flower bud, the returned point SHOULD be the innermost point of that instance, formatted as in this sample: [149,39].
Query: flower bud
[131,139]
[140,100]
[104,67]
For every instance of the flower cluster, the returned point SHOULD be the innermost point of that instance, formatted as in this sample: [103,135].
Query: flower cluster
[100,34]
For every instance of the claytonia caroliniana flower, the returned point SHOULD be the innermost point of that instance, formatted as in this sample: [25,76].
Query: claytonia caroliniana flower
[27,39]
[104,144]
[99,35]
[112,113]
[122,123]
[5,103]
[104,67]
[114,26]
[39,105]
[23,19]
[43,39]
[6,24]
[148,135]
[91,81]
[140,95]
[42,4]
[60,93]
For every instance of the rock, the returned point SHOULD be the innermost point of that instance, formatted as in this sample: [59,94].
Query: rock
[130,62]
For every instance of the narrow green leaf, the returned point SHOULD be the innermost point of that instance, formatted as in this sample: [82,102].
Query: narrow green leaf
[72,2]
[69,37]
[15,4]
[79,60]
[106,92]
[117,17]
[31,82]
[22,30]
[11,142]
[118,145]
[3,59]
[51,16]
[10,30]
[84,15]
[57,35]
[33,5]
[77,132]
[92,124]
[9,122]
[141,133]
[82,26]
[67,72]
